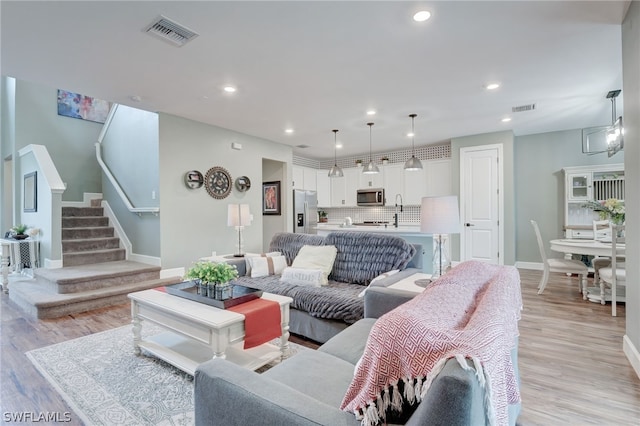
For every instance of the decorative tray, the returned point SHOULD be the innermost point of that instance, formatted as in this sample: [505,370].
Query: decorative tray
[239,294]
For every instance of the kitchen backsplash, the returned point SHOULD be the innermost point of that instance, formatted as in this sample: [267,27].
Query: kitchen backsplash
[409,215]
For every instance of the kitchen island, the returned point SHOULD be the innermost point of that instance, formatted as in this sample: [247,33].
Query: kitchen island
[410,233]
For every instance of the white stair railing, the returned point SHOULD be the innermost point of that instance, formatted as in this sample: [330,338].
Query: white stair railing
[137,210]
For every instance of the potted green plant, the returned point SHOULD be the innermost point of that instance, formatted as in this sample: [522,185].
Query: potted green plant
[358,163]
[213,279]
[18,232]
[322,216]
[384,159]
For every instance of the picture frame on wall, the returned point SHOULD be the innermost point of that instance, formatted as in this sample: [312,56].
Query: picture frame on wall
[75,105]
[271,198]
[30,192]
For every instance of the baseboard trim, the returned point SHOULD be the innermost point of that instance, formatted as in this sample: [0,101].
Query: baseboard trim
[117,228]
[632,354]
[142,258]
[174,272]
[530,265]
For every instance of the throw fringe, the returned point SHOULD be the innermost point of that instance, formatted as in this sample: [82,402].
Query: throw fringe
[409,393]
[418,388]
[396,398]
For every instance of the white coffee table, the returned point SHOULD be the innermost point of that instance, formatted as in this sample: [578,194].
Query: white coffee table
[197,332]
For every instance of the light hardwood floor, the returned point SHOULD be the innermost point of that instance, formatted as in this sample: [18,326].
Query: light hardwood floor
[572,367]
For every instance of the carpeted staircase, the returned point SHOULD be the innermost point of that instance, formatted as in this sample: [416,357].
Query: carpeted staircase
[94,275]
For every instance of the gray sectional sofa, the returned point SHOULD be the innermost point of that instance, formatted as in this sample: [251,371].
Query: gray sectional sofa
[320,313]
[308,388]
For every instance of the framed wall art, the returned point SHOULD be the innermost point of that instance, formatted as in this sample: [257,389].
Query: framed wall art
[30,192]
[75,105]
[271,198]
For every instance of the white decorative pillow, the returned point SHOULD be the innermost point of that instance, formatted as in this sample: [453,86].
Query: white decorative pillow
[268,265]
[378,278]
[248,255]
[298,276]
[316,257]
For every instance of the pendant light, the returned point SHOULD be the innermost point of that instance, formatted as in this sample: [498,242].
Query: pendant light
[371,167]
[413,163]
[335,171]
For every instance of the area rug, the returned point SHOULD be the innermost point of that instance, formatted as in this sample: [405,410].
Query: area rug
[104,383]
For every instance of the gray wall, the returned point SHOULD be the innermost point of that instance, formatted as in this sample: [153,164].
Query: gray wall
[539,185]
[193,224]
[7,144]
[271,224]
[506,140]
[70,141]
[631,92]
[130,150]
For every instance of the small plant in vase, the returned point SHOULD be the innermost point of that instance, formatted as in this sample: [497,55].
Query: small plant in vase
[213,279]
[18,232]
[358,163]
[322,216]
[385,160]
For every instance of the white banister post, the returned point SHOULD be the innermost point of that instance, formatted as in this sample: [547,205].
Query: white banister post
[4,267]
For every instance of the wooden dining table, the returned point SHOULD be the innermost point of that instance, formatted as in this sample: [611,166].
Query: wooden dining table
[590,248]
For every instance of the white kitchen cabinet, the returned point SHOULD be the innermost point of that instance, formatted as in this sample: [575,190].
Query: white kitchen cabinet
[394,183]
[304,178]
[298,177]
[310,178]
[415,186]
[366,181]
[323,188]
[352,185]
[338,191]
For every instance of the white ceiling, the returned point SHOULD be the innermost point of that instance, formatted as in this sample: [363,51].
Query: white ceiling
[318,66]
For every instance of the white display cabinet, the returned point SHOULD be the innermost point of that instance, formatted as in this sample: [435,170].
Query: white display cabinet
[589,183]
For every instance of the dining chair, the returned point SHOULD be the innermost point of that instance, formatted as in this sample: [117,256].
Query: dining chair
[601,232]
[616,274]
[565,266]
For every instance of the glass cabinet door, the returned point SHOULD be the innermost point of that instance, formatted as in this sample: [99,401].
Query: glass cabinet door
[579,187]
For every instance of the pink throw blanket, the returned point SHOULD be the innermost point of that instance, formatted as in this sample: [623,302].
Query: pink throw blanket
[470,313]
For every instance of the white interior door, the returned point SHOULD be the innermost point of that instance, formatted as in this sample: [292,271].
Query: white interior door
[481,203]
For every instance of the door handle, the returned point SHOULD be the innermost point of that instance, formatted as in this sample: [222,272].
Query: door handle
[469,224]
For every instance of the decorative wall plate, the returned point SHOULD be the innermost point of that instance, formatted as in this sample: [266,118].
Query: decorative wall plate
[243,183]
[193,179]
[217,182]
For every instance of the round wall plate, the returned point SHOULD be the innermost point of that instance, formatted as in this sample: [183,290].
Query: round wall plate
[193,179]
[217,182]
[243,183]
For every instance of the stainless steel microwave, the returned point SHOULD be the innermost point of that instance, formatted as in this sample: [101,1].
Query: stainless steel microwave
[371,197]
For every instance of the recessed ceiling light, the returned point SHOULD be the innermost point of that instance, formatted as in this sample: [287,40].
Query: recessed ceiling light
[410,135]
[492,86]
[288,131]
[506,119]
[229,89]
[422,16]
[338,145]
[371,112]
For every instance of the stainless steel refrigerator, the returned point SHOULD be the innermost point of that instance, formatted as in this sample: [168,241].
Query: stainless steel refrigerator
[305,211]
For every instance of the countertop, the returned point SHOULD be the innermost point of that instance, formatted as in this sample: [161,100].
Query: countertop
[390,229]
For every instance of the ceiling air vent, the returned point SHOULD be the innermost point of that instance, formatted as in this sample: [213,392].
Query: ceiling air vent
[170,31]
[523,108]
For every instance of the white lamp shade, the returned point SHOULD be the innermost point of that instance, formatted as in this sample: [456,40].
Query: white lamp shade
[238,215]
[440,215]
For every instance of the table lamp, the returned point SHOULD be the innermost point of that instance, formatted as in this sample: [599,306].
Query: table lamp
[438,216]
[238,215]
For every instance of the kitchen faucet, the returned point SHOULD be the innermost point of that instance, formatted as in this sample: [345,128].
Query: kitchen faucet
[395,215]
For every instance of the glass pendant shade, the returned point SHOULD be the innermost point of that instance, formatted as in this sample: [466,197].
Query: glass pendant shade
[413,163]
[335,171]
[370,168]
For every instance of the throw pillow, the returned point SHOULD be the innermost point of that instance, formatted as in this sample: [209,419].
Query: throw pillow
[316,257]
[248,255]
[378,278]
[298,276]
[268,265]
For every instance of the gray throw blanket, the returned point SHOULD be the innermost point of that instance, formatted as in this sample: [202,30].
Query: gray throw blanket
[338,301]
